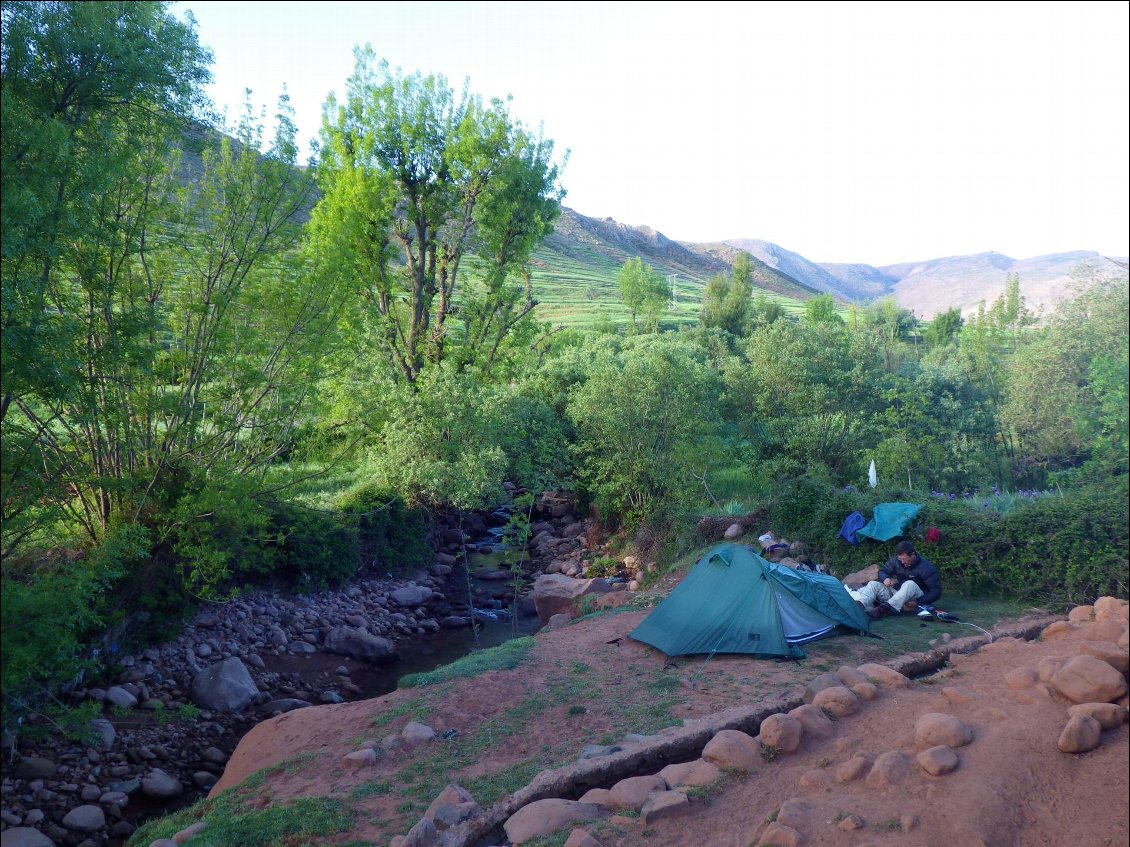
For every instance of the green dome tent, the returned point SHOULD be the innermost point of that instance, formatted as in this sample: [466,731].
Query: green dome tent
[734,601]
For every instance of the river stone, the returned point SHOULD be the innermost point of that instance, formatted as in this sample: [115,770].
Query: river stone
[781,732]
[224,687]
[554,593]
[188,832]
[939,728]
[838,700]
[413,595]
[105,732]
[1109,715]
[663,804]
[446,817]
[160,784]
[890,769]
[732,748]
[204,779]
[286,704]
[815,723]
[414,732]
[118,696]
[88,818]
[690,774]
[35,767]
[346,641]
[630,793]
[779,835]
[938,761]
[24,836]
[819,683]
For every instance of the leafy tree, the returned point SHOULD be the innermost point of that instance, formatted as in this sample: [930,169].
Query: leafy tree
[646,425]
[766,311]
[93,96]
[1064,397]
[81,82]
[892,326]
[822,309]
[936,426]
[805,400]
[943,328]
[416,180]
[645,292]
[726,299]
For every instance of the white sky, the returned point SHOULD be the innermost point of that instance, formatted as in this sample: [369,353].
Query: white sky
[846,132]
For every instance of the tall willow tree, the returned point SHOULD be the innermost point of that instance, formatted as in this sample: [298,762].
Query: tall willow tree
[418,183]
[160,332]
[85,86]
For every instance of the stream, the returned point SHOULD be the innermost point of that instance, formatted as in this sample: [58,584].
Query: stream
[194,752]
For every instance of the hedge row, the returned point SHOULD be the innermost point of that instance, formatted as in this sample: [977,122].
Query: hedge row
[1056,549]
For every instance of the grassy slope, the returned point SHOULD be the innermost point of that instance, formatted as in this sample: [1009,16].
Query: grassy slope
[575,275]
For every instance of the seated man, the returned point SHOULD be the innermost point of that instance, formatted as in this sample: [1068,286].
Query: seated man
[905,583]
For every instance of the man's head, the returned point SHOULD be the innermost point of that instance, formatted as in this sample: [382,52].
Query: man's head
[906,554]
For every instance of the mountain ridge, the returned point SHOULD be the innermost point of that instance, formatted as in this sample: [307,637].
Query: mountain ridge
[925,287]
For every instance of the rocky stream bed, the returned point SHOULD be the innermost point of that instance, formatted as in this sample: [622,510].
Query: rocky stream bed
[174,712]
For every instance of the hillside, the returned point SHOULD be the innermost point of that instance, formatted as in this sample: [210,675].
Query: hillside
[965,281]
[575,274]
[575,271]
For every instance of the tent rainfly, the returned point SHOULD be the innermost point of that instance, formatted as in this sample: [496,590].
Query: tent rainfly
[734,601]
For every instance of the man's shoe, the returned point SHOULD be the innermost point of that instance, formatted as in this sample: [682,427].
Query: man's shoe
[925,613]
[880,611]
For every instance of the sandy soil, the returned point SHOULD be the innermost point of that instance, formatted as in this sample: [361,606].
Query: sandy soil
[1012,787]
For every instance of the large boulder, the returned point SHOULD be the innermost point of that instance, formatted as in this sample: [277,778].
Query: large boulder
[358,644]
[556,594]
[545,816]
[226,686]
[1086,679]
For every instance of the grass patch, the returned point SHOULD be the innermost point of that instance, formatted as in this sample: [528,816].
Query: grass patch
[415,707]
[370,789]
[293,824]
[505,657]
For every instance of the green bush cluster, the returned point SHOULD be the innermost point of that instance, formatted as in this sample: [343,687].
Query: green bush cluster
[50,607]
[1056,550]
[392,536]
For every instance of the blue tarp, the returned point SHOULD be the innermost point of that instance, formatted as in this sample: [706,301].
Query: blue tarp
[888,520]
[852,524]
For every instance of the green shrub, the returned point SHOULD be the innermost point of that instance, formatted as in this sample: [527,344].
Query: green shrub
[49,607]
[392,536]
[310,549]
[603,566]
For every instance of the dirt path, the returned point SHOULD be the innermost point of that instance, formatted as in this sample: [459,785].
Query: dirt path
[588,684]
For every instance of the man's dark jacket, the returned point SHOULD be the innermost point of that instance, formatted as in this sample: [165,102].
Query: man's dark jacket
[921,572]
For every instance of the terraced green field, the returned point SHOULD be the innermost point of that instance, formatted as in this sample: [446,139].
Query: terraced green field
[584,293]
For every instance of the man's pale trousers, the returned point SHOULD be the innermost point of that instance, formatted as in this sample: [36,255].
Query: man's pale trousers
[874,593]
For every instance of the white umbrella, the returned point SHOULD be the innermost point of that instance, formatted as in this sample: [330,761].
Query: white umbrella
[871,477]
